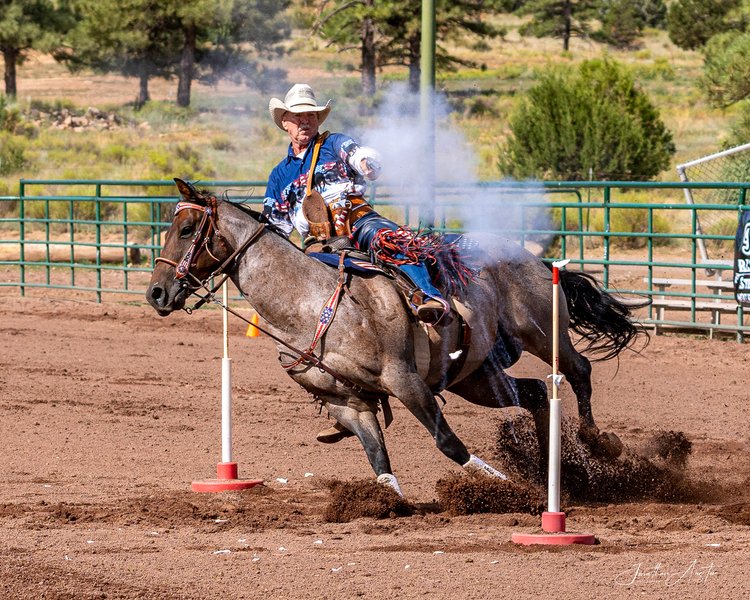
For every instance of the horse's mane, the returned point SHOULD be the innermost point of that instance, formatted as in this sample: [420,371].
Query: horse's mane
[260,217]
[250,212]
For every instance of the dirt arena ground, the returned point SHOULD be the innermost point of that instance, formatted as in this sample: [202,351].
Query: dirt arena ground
[109,412]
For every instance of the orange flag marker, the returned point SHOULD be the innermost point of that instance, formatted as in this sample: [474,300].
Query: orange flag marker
[252,330]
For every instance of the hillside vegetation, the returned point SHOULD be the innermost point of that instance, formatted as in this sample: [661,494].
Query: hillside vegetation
[227,134]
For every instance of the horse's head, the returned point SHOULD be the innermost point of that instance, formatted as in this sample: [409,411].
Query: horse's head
[193,249]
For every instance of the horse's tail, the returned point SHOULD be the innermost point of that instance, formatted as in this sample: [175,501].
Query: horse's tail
[597,316]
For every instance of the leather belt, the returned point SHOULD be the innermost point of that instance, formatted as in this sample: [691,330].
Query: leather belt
[359,208]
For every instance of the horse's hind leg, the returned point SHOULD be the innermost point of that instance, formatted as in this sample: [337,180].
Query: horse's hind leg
[491,386]
[577,370]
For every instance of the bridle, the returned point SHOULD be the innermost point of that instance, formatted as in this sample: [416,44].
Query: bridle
[202,239]
[201,242]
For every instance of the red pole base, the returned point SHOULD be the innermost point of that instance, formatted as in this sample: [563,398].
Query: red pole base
[553,524]
[226,480]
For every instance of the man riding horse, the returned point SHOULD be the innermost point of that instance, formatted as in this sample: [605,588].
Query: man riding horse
[319,189]
[326,174]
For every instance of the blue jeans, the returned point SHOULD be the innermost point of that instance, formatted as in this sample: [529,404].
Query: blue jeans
[363,232]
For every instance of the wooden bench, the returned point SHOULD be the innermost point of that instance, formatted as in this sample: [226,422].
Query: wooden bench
[684,299]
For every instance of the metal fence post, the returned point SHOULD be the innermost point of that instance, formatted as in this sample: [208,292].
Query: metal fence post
[98,217]
[607,231]
[22,235]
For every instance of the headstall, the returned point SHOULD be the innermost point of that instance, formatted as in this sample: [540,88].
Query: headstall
[201,241]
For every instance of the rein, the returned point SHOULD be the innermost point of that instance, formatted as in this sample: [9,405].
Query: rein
[201,240]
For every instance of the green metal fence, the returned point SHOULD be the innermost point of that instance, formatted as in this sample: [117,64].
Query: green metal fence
[99,238]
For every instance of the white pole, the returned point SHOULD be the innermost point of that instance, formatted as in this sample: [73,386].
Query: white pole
[555,409]
[703,159]
[226,390]
[689,198]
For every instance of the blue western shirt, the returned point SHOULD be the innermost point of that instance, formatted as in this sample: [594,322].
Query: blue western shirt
[337,175]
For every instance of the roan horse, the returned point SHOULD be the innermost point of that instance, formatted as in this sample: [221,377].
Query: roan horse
[371,349]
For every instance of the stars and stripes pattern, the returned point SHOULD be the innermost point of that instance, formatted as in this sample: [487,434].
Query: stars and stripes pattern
[326,315]
[324,321]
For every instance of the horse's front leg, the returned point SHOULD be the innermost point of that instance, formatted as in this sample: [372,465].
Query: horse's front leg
[417,397]
[363,423]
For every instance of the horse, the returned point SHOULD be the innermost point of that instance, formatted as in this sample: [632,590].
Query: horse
[373,349]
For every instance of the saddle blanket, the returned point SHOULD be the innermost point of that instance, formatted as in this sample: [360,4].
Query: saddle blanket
[352,265]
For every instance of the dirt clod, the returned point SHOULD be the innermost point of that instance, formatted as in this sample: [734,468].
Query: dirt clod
[354,499]
[462,495]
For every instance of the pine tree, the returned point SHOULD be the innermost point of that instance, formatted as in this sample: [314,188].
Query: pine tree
[27,25]
[726,69]
[562,19]
[621,23]
[214,36]
[187,39]
[594,119]
[134,38]
[388,32]
[691,23]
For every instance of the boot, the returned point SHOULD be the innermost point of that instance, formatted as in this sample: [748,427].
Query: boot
[432,311]
[428,309]
[333,434]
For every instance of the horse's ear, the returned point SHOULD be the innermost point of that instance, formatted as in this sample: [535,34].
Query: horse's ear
[187,191]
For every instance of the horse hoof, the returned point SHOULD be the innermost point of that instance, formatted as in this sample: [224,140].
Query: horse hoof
[477,465]
[589,435]
[611,445]
[389,480]
[605,444]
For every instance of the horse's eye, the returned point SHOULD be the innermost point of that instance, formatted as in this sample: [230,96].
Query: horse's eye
[186,231]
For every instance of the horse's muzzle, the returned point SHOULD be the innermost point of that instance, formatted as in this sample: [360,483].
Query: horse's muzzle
[167,299]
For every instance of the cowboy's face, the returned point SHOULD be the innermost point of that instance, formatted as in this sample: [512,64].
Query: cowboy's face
[301,127]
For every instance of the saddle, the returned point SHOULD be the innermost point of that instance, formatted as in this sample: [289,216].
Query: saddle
[338,252]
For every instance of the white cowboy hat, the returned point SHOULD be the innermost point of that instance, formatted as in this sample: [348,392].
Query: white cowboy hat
[299,99]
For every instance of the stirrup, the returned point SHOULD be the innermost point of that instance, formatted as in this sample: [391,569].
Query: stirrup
[428,309]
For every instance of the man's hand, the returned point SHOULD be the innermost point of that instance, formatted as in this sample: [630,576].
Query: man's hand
[370,168]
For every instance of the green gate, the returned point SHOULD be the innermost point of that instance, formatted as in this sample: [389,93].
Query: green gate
[96,238]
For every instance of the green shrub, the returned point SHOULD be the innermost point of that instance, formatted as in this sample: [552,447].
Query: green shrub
[117,153]
[593,118]
[54,105]
[740,129]
[10,116]
[12,154]
[631,220]
[160,113]
[140,212]
[660,69]
[725,68]
[480,107]
[724,226]
[222,142]
[188,154]
[49,210]
[8,207]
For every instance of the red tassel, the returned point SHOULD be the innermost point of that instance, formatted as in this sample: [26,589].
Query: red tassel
[447,267]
